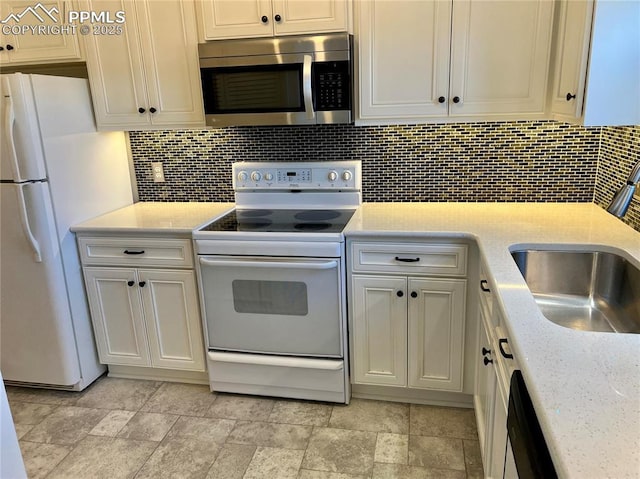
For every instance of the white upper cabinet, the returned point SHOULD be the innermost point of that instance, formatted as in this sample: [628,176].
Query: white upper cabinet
[25,48]
[220,19]
[148,75]
[459,59]
[597,63]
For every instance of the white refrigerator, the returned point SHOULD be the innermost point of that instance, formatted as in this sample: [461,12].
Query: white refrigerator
[56,170]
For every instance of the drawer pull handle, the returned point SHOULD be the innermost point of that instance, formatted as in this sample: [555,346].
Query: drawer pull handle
[483,286]
[133,252]
[407,260]
[502,351]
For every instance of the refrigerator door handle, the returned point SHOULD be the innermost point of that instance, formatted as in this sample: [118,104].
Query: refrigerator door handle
[26,227]
[9,121]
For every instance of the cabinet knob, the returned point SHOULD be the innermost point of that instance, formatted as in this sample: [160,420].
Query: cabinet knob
[456,99]
[400,294]
[570,97]
[152,110]
[487,361]
[141,110]
[485,351]
[441,99]
[414,294]
[1,49]
[277,18]
[264,19]
[9,47]
[130,283]
[142,283]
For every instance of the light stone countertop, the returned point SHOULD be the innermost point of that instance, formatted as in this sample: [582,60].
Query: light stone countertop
[155,217]
[585,385]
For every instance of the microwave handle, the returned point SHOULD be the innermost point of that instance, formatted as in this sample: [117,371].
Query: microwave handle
[306,87]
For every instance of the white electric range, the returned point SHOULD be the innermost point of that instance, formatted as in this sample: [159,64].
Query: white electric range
[272,281]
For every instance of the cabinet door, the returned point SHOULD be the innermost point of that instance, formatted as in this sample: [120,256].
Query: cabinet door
[404,58]
[116,312]
[28,48]
[235,18]
[114,64]
[172,318]
[309,16]
[500,57]
[169,42]
[379,330]
[572,55]
[485,394]
[436,333]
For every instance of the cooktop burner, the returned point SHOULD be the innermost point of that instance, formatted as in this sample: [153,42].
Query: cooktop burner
[282,221]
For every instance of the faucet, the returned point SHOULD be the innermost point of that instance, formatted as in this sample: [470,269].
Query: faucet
[621,200]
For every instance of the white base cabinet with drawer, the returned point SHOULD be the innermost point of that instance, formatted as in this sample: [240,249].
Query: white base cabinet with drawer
[407,330]
[144,313]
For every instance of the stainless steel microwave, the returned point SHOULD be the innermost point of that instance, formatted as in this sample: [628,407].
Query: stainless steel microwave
[298,80]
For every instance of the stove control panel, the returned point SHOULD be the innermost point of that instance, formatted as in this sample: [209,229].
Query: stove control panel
[320,175]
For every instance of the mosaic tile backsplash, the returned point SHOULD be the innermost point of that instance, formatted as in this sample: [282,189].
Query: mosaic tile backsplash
[514,161]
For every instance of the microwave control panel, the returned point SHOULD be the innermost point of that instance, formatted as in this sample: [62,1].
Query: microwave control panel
[332,85]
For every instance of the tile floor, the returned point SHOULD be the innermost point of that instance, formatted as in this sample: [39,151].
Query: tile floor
[121,428]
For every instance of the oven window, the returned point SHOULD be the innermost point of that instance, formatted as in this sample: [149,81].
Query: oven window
[255,89]
[270,297]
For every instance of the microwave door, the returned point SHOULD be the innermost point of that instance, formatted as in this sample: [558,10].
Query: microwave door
[271,90]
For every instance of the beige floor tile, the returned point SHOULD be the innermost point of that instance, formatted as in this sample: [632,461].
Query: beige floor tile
[182,399]
[30,413]
[43,396]
[473,459]
[309,474]
[232,461]
[39,459]
[377,416]
[271,462]
[116,393]
[104,458]
[245,408]
[443,422]
[340,450]
[210,428]
[392,448]
[112,423]
[148,426]
[181,457]
[22,429]
[67,425]
[284,436]
[402,471]
[301,412]
[436,452]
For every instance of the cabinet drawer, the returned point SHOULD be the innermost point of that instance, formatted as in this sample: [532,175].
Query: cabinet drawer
[431,259]
[136,252]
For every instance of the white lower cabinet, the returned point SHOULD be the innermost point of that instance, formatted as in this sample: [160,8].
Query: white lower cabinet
[407,330]
[143,315]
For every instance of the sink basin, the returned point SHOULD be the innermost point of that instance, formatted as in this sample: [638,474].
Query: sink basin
[585,290]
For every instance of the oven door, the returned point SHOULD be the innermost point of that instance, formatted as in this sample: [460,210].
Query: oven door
[289,306]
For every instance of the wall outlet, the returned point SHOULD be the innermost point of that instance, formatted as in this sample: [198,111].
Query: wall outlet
[158,172]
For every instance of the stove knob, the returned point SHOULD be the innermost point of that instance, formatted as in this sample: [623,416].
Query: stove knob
[333,176]
[255,176]
[242,176]
[346,175]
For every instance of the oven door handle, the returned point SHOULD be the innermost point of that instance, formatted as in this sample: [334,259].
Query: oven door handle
[268,264]
[306,87]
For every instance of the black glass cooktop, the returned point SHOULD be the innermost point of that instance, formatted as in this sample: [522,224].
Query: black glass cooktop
[282,221]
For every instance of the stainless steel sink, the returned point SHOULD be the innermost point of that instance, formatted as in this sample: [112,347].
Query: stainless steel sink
[589,291]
